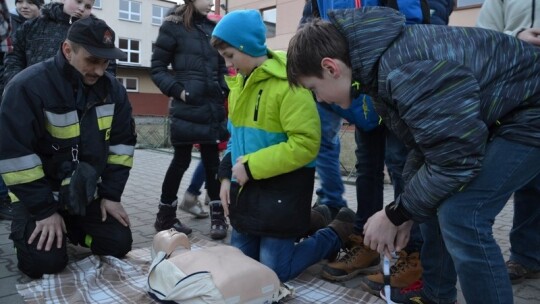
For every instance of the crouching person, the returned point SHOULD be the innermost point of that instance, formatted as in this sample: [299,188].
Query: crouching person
[66,148]
[268,171]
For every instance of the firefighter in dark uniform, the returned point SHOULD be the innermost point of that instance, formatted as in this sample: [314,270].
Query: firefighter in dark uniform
[67,139]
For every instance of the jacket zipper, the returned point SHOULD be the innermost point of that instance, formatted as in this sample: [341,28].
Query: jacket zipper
[256,114]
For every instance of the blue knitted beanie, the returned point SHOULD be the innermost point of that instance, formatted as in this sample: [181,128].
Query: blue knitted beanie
[243,30]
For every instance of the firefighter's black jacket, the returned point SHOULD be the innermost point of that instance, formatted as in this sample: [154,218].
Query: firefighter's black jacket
[46,114]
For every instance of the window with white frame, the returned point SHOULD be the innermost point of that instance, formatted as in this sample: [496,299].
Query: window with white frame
[130,83]
[269,18]
[158,14]
[130,10]
[132,48]
[97,4]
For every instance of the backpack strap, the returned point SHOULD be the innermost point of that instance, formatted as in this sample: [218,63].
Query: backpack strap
[315,9]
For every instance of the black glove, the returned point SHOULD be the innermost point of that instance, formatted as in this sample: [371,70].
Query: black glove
[81,189]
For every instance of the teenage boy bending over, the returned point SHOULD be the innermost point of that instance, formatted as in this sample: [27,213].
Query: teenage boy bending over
[469,112]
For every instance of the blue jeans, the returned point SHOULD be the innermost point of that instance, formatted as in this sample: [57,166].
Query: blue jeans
[283,256]
[197,180]
[524,236]
[465,223]
[374,148]
[327,163]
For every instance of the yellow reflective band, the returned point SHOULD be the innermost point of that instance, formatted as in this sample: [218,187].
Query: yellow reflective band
[88,240]
[104,123]
[122,160]
[66,132]
[104,116]
[66,181]
[24,176]
[13,197]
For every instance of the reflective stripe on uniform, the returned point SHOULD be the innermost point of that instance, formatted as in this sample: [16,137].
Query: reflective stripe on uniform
[122,150]
[13,197]
[64,125]
[121,155]
[123,160]
[21,170]
[104,115]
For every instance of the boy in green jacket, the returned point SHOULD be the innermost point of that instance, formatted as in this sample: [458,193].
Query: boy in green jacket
[267,174]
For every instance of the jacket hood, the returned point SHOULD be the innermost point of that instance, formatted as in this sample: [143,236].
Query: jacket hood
[15,16]
[369,32]
[176,15]
[274,66]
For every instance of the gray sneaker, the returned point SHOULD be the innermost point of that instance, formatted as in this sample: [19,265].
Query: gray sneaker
[191,204]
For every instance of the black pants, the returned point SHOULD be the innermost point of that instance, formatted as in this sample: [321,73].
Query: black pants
[107,238]
[179,165]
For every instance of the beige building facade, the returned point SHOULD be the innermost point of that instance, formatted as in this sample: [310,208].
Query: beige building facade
[136,23]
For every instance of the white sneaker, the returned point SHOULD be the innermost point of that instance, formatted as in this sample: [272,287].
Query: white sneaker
[191,204]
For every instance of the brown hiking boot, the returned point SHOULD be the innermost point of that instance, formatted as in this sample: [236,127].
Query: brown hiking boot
[403,273]
[359,259]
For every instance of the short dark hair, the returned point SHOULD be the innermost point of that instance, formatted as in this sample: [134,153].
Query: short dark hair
[312,42]
[218,43]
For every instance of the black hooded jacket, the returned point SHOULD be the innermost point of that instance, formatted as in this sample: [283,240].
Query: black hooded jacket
[199,70]
[47,111]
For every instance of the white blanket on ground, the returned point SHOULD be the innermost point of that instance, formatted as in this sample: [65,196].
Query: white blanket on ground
[107,280]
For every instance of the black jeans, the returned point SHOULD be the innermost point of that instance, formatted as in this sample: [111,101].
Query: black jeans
[179,165]
[103,238]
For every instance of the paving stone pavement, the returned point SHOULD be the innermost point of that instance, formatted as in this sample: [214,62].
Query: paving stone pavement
[141,198]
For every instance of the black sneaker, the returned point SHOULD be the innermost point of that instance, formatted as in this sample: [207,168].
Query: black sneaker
[6,209]
[518,273]
[218,226]
[166,219]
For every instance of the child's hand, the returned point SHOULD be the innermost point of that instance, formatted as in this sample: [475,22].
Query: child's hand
[224,195]
[239,172]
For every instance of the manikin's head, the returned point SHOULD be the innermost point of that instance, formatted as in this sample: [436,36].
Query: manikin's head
[168,241]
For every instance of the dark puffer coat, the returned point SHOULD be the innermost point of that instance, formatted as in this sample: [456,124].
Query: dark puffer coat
[39,39]
[199,70]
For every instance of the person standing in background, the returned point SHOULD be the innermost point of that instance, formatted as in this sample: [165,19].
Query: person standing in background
[5,29]
[38,40]
[197,113]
